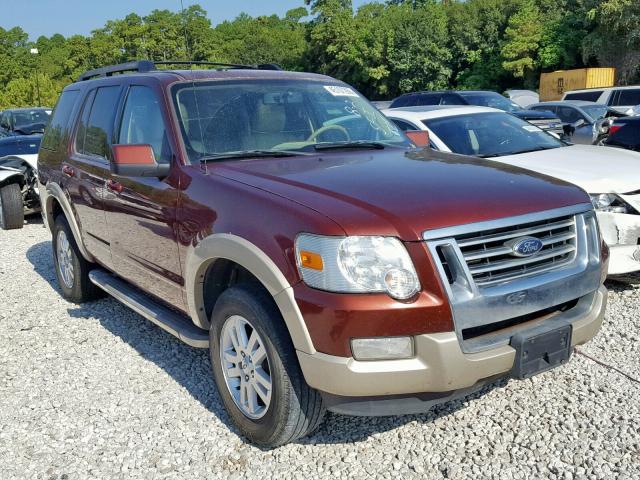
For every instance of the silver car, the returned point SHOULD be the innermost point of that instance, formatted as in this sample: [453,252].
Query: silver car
[589,121]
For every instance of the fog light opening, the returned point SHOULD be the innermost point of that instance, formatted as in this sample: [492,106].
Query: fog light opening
[382,348]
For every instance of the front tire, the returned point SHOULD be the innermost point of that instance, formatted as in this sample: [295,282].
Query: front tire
[11,207]
[256,369]
[72,270]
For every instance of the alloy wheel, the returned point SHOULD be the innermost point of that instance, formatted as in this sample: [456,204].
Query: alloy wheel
[65,259]
[245,366]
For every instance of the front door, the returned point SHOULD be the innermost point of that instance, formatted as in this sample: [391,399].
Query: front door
[141,211]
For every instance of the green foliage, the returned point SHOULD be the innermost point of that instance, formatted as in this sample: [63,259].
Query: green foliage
[20,92]
[382,48]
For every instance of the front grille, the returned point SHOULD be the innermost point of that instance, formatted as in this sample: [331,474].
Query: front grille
[490,261]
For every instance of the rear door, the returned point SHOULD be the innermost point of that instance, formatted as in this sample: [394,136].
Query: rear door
[87,168]
[141,211]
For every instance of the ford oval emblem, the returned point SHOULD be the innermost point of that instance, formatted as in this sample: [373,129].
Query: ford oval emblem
[524,246]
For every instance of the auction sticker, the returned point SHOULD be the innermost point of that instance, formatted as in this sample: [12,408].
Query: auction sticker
[338,91]
[531,128]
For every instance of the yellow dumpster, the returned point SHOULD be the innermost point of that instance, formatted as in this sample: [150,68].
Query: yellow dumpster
[554,84]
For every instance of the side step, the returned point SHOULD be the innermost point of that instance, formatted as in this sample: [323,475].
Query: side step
[174,323]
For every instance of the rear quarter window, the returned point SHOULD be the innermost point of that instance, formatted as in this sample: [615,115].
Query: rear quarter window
[628,97]
[590,96]
[57,130]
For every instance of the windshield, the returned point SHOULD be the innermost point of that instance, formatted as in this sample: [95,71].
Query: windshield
[222,117]
[490,99]
[29,117]
[490,134]
[595,111]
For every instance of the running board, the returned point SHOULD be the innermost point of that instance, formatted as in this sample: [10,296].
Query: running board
[177,325]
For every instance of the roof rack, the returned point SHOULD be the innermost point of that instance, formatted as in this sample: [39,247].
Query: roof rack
[143,66]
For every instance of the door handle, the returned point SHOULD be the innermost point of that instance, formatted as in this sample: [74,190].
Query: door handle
[115,186]
[69,171]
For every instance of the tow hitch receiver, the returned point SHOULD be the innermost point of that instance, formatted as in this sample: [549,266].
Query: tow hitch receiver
[540,349]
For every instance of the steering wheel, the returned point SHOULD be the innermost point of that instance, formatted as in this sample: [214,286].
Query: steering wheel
[326,128]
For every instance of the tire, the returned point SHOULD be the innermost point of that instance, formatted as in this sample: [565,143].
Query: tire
[76,286]
[294,409]
[11,207]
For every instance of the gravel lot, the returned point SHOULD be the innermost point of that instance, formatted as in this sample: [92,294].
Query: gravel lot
[95,391]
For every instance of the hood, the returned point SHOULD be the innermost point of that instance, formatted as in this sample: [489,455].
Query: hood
[596,169]
[534,114]
[400,193]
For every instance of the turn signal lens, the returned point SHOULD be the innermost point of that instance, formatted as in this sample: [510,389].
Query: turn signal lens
[311,260]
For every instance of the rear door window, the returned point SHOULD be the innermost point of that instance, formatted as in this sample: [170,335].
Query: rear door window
[98,130]
[628,96]
[590,96]
[142,123]
[56,131]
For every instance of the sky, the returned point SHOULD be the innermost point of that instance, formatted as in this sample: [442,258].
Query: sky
[69,17]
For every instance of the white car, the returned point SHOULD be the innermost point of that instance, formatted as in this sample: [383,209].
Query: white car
[622,99]
[610,175]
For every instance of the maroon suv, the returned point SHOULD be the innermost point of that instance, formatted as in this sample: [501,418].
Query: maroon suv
[278,219]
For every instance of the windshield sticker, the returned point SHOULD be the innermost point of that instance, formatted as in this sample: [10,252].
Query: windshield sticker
[531,128]
[338,91]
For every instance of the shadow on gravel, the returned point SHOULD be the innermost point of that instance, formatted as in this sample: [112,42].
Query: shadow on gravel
[41,257]
[191,369]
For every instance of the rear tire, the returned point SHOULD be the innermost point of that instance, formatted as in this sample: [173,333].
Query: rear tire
[11,207]
[290,409]
[72,270]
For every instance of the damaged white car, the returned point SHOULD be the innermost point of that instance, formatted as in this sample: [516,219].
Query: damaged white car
[610,175]
[18,187]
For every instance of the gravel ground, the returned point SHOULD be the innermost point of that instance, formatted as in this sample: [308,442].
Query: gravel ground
[95,391]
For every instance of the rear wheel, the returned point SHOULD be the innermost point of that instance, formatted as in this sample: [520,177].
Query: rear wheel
[256,369]
[11,207]
[72,270]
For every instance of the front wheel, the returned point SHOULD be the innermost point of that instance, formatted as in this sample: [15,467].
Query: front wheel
[11,207]
[256,369]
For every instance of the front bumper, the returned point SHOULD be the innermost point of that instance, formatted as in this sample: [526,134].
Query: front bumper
[439,367]
[621,232]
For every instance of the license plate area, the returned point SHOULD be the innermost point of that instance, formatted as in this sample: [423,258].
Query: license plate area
[540,349]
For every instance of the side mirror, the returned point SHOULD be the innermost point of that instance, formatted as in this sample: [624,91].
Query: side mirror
[137,161]
[420,138]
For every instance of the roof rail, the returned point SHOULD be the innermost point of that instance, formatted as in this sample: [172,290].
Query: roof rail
[138,66]
[148,66]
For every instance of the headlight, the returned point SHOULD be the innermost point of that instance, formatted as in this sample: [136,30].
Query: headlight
[608,202]
[357,265]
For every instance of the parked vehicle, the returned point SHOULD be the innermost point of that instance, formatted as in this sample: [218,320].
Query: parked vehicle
[18,188]
[545,120]
[611,176]
[24,121]
[554,84]
[625,133]
[523,98]
[280,220]
[621,99]
[589,121]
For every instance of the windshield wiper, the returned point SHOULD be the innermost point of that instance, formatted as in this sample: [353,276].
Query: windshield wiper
[517,152]
[251,154]
[356,144]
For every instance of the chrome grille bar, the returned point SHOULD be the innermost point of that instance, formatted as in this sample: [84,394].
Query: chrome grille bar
[516,233]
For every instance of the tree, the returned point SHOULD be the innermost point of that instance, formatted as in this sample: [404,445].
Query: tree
[522,41]
[22,92]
